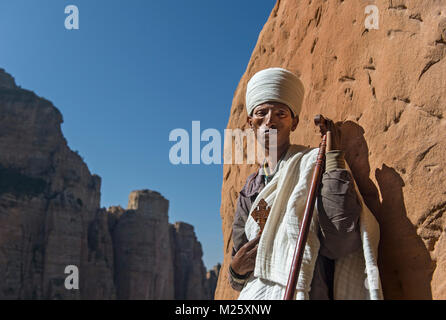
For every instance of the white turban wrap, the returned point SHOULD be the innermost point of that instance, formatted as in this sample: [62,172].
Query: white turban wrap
[275,84]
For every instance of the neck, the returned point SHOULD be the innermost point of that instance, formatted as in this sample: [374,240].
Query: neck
[272,160]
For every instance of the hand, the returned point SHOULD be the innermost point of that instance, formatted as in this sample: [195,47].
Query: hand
[327,127]
[333,136]
[244,260]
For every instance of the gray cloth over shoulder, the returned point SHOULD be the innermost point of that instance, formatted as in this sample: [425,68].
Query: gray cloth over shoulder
[338,208]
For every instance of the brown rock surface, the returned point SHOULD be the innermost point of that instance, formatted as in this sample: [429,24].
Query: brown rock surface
[6,80]
[50,217]
[190,273]
[143,257]
[386,89]
[211,280]
[48,198]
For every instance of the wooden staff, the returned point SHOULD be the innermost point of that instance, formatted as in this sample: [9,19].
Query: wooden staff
[320,121]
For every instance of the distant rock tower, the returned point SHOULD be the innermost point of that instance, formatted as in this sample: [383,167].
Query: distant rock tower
[143,255]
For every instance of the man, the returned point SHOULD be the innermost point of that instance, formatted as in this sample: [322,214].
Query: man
[334,260]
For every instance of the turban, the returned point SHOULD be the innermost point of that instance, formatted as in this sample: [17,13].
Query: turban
[275,84]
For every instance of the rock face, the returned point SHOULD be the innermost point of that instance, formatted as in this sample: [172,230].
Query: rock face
[50,218]
[211,279]
[48,198]
[189,273]
[143,257]
[386,89]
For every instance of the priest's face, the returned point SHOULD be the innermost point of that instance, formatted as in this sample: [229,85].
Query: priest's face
[273,115]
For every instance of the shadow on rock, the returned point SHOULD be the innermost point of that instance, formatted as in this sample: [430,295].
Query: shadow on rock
[405,265]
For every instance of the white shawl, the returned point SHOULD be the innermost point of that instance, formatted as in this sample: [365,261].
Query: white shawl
[356,275]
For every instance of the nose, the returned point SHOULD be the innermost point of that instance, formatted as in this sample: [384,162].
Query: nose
[270,120]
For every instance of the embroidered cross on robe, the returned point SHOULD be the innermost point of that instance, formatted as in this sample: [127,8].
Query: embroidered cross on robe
[260,214]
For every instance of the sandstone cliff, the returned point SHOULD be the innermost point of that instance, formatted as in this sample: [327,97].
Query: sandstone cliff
[386,89]
[141,242]
[50,217]
[189,273]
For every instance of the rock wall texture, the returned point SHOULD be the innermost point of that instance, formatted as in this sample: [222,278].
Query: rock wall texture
[50,217]
[386,89]
[212,278]
[141,242]
[191,280]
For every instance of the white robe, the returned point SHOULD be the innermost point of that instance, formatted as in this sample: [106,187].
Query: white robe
[356,275]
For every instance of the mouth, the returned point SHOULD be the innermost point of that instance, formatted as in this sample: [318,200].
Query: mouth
[268,135]
[265,135]
[269,132]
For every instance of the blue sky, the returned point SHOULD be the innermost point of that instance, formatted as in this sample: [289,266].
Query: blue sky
[134,71]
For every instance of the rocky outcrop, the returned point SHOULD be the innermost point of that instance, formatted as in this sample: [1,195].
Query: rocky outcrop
[386,89]
[48,198]
[50,218]
[190,274]
[211,280]
[141,242]
[6,80]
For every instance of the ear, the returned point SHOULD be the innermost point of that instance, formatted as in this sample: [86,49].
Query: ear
[295,123]
[249,120]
